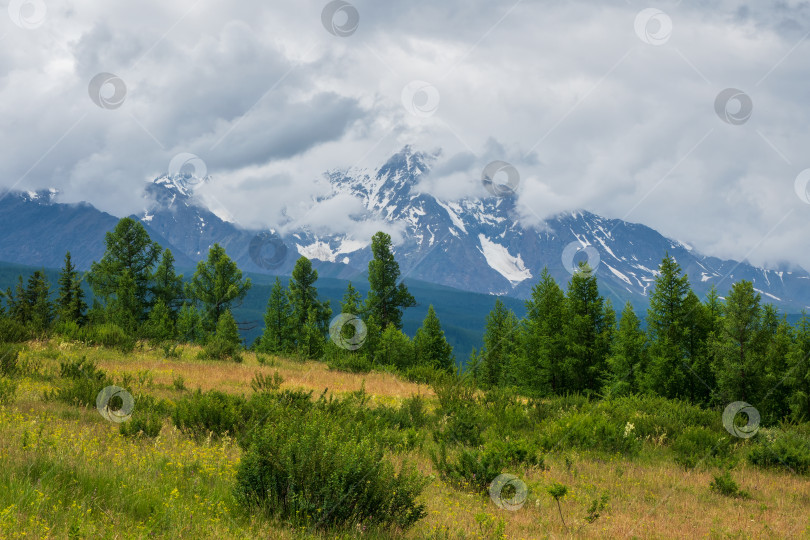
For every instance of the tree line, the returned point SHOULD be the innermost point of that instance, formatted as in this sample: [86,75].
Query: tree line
[710,352]
[138,295]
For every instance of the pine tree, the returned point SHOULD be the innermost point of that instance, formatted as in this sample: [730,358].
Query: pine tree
[303,298]
[124,307]
[351,300]
[738,355]
[543,340]
[70,305]
[430,346]
[37,296]
[668,375]
[775,404]
[226,342]
[797,380]
[189,324]
[699,328]
[628,358]
[386,299]
[586,351]
[128,249]
[18,307]
[160,326]
[167,286]
[277,336]
[217,285]
[311,340]
[498,350]
[351,306]
[395,349]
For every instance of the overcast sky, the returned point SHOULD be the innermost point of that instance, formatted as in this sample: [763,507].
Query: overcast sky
[599,105]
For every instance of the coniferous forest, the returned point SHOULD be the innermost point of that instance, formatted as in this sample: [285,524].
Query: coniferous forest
[718,386]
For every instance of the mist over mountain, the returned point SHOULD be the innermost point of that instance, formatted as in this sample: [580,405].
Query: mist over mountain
[474,244]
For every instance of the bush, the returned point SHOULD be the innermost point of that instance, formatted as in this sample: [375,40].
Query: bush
[8,359]
[82,381]
[8,391]
[476,469]
[312,472]
[698,445]
[724,484]
[425,374]
[142,424]
[590,431]
[108,335]
[211,412]
[785,448]
[350,362]
[12,331]
[266,383]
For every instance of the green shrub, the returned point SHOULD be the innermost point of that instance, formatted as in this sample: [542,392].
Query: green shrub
[724,484]
[8,359]
[69,330]
[142,424]
[698,445]
[108,335]
[425,374]
[476,469]
[784,448]
[179,383]
[589,431]
[266,383]
[12,331]
[210,412]
[8,391]
[81,382]
[350,362]
[311,471]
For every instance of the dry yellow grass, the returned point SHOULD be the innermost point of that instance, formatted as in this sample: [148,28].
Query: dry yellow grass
[649,497]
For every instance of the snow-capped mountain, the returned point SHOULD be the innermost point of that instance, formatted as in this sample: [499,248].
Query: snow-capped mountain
[474,244]
[479,244]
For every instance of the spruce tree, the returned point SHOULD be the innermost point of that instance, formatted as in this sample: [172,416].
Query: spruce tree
[386,299]
[128,249]
[739,362]
[543,340]
[498,350]
[70,305]
[189,324]
[303,298]
[586,351]
[124,306]
[699,329]
[167,286]
[797,379]
[311,340]
[226,342]
[160,326]
[395,349]
[430,346]
[668,375]
[37,296]
[277,336]
[217,285]
[775,404]
[627,361]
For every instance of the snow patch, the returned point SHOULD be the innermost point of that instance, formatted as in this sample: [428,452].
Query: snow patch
[453,216]
[499,259]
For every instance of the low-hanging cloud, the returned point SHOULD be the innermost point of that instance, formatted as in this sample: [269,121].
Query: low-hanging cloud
[593,108]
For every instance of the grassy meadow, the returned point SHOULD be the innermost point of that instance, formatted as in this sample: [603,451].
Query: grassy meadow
[66,472]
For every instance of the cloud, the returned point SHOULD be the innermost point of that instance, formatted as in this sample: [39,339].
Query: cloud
[589,114]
